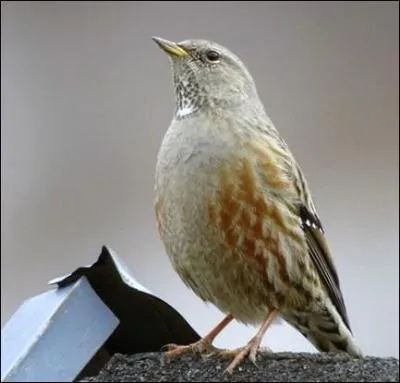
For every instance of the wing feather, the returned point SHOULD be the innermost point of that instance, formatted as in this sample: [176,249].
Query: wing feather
[322,258]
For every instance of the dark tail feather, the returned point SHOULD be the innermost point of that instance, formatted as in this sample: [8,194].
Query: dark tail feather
[325,330]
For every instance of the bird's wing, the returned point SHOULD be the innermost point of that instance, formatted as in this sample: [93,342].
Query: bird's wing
[320,252]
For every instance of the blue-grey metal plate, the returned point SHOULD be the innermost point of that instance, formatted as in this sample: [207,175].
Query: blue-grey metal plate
[52,336]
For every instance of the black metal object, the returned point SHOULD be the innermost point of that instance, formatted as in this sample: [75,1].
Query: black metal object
[147,323]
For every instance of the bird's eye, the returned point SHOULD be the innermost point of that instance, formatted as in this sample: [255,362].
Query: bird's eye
[213,56]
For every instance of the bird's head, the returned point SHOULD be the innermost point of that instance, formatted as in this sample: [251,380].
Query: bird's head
[206,74]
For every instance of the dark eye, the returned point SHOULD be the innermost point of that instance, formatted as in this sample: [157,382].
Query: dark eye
[213,56]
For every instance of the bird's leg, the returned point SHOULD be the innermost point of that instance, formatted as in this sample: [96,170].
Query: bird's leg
[202,346]
[251,348]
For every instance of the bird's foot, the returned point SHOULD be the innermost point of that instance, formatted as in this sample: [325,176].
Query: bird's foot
[203,347]
[250,350]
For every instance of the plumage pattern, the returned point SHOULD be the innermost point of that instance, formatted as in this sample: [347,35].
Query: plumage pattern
[235,213]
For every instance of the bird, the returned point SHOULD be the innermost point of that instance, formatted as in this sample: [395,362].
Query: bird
[235,213]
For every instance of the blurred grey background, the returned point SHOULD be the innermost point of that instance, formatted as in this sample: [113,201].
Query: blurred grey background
[86,97]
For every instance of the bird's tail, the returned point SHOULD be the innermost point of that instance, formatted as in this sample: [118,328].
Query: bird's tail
[326,330]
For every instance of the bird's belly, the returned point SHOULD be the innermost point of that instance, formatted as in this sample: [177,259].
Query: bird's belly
[216,273]
[232,286]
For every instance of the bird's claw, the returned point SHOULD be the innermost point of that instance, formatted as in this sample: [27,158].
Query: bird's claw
[202,347]
[250,350]
[206,356]
[168,347]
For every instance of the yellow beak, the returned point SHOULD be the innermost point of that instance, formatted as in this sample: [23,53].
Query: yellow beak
[171,48]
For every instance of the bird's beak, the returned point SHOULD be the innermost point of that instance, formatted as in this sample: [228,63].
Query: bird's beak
[171,48]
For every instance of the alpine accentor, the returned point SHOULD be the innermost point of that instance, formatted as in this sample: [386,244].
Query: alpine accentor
[234,210]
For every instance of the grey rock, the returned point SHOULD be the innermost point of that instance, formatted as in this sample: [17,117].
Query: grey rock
[274,367]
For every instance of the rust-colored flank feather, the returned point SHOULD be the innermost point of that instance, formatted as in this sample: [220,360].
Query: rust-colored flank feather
[243,213]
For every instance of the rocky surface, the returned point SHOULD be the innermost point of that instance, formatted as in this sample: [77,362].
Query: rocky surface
[278,367]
